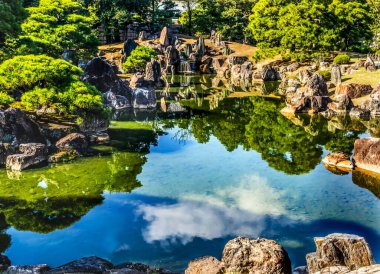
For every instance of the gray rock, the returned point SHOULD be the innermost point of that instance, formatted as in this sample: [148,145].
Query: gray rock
[345,250]
[16,128]
[144,99]
[33,154]
[304,75]
[115,101]
[237,60]
[270,73]
[301,270]
[336,76]
[100,73]
[316,86]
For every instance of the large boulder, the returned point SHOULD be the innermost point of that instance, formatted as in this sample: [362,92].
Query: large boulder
[32,154]
[367,154]
[316,86]
[261,256]
[115,101]
[205,265]
[144,98]
[73,141]
[247,71]
[6,149]
[304,75]
[353,90]
[16,128]
[369,64]
[100,73]
[344,250]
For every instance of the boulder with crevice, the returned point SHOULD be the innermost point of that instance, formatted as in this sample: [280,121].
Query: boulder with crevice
[341,104]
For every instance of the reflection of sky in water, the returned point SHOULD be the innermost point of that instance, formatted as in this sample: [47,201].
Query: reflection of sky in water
[197,197]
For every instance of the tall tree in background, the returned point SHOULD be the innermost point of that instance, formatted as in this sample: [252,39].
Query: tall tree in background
[59,25]
[11,16]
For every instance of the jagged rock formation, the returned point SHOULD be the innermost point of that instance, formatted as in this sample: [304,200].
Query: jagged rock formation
[32,154]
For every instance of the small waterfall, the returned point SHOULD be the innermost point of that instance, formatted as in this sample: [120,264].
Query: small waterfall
[185,67]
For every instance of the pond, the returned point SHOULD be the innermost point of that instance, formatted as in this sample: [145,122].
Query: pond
[178,183]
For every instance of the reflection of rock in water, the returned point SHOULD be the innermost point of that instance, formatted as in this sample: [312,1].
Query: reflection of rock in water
[368,180]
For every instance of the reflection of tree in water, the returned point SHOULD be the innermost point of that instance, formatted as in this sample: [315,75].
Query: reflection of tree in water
[45,216]
[292,144]
[54,198]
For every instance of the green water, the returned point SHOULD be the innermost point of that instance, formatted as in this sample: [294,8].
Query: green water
[173,186]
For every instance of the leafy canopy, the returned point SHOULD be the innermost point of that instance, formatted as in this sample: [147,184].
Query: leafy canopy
[44,81]
[58,25]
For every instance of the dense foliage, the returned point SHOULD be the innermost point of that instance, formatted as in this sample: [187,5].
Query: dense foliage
[311,27]
[116,15]
[43,82]
[229,18]
[11,16]
[139,58]
[58,25]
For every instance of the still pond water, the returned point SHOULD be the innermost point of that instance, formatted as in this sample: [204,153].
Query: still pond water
[177,185]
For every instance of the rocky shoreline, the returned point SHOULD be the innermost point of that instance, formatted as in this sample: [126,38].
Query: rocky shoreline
[335,254]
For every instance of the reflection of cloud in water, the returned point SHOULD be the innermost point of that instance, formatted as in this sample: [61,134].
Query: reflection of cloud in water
[240,210]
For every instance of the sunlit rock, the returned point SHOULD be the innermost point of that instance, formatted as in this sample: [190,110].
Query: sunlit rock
[205,265]
[344,250]
[261,256]
[366,154]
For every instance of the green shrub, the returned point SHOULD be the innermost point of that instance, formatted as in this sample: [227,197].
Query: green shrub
[342,59]
[139,58]
[5,100]
[326,74]
[48,82]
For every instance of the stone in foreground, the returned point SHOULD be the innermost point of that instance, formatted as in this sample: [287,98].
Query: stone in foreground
[209,265]
[367,154]
[343,250]
[261,256]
